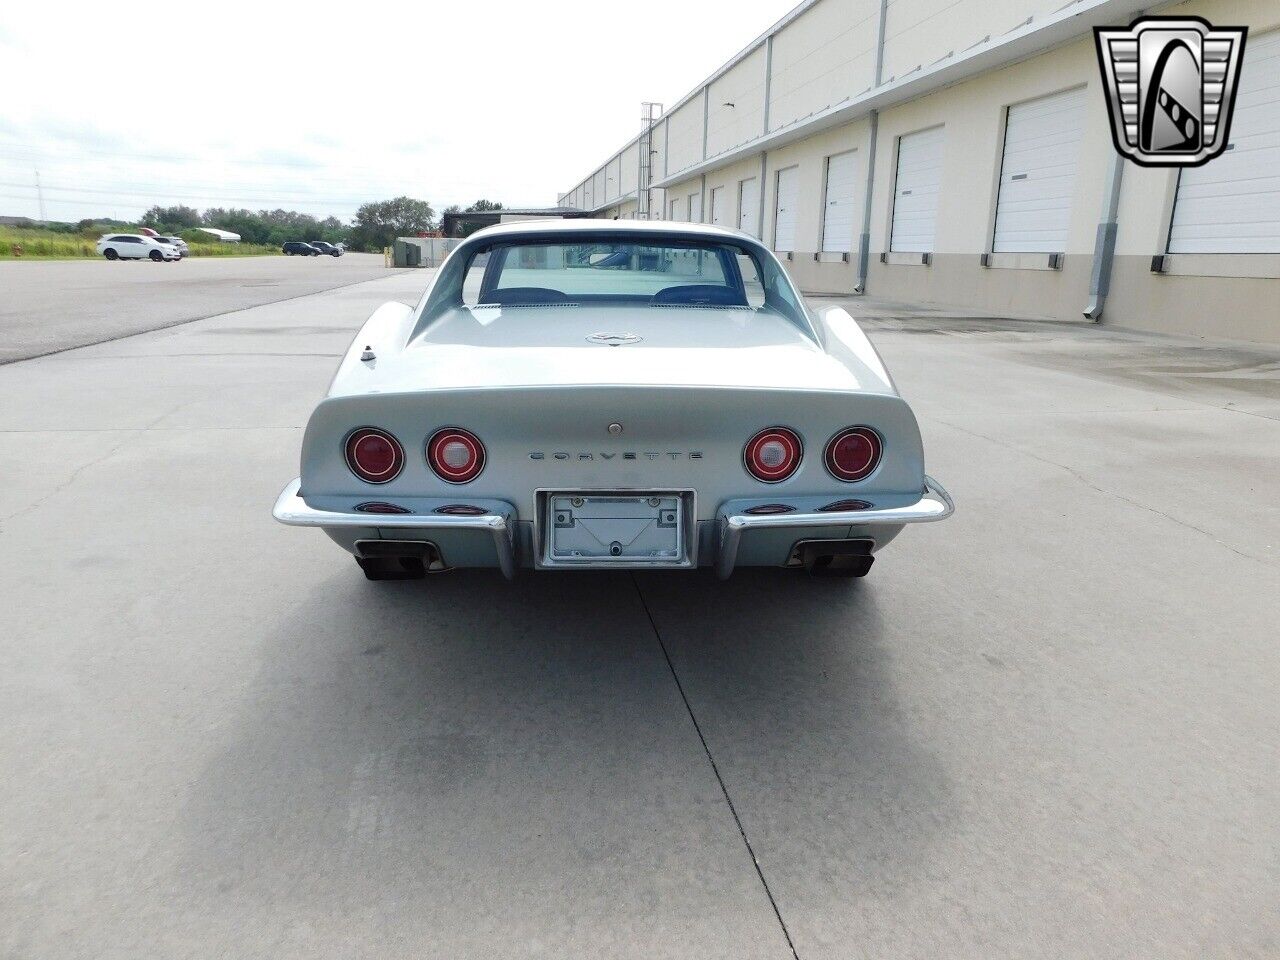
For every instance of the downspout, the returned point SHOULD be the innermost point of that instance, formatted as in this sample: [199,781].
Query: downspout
[764,154]
[864,241]
[1104,245]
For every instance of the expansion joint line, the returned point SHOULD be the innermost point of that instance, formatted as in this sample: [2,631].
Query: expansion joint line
[706,748]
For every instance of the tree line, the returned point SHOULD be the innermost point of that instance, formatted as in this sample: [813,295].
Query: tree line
[374,226]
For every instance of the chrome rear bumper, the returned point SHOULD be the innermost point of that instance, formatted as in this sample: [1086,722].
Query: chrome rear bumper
[291,509]
[934,504]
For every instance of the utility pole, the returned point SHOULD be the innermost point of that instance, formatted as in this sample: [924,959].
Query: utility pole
[40,197]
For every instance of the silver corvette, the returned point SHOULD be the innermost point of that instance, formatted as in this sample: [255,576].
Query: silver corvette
[588,394]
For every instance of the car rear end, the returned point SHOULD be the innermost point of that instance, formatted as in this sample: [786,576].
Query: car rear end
[612,402]
[613,477]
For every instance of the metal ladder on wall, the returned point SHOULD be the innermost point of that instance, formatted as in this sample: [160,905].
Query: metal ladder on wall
[650,112]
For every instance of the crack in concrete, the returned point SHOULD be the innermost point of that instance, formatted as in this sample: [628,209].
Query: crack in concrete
[715,768]
[133,434]
[1105,492]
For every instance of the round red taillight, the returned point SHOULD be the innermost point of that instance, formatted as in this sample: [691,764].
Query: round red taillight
[455,455]
[853,454]
[373,455]
[772,455]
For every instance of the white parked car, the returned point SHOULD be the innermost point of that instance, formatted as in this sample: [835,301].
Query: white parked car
[178,242]
[588,394]
[132,246]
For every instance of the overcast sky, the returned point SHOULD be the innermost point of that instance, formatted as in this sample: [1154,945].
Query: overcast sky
[320,107]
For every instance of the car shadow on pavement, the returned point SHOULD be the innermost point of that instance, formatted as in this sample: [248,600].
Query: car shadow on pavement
[465,740]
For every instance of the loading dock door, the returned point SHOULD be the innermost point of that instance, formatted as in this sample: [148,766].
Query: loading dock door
[837,216]
[695,208]
[915,196]
[748,205]
[784,222]
[1232,203]
[719,215]
[1038,173]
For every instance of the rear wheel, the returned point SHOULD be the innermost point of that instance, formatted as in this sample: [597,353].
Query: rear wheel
[156,255]
[110,254]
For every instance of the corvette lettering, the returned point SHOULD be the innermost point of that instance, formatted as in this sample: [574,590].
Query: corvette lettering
[626,455]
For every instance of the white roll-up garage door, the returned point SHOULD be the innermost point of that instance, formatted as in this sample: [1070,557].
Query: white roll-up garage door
[915,196]
[719,215]
[838,215]
[1232,203]
[1038,173]
[695,208]
[788,198]
[748,205]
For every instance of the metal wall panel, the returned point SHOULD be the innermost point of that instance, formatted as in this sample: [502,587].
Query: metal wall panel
[1038,173]
[735,111]
[822,57]
[915,195]
[1232,203]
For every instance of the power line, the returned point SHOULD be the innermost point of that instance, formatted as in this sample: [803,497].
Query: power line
[90,154]
[164,192]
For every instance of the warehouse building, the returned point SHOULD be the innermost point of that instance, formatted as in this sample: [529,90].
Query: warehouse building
[959,152]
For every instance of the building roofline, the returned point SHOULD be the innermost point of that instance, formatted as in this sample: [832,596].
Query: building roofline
[720,71]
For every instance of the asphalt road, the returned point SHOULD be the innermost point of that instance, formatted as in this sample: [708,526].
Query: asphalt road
[46,306]
[1046,728]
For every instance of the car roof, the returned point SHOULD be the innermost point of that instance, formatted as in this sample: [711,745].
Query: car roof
[589,225]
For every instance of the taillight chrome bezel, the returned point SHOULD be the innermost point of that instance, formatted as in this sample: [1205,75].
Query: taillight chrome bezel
[763,472]
[434,449]
[350,447]
[872,437]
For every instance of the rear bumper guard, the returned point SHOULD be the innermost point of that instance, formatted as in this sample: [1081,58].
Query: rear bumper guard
[291,509]
[934,504]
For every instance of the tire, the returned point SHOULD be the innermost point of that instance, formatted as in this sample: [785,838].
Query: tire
[156,255]
[288,253]
[110,254]
[335,254]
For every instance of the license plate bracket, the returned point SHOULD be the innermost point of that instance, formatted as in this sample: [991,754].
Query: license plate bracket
[641,529]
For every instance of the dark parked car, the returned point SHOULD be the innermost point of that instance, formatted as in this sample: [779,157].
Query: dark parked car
[328,248]
[297,247]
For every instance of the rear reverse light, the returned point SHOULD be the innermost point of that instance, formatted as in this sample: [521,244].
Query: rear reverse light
[853,454]
[373,455]
[456,455]
[772,455]
[377,506]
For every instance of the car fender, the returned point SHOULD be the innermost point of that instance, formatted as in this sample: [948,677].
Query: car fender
[383,334]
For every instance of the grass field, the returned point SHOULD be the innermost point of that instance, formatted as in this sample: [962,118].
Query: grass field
[37,244]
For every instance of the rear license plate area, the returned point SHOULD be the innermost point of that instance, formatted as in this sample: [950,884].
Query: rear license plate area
[603,529]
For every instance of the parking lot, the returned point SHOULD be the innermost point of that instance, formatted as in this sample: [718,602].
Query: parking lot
[1046,728]
[48,307]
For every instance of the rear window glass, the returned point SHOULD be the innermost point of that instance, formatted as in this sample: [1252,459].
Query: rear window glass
[658,271]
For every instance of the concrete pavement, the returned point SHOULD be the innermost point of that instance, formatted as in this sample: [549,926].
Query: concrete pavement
[51,305]
[1045,728]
